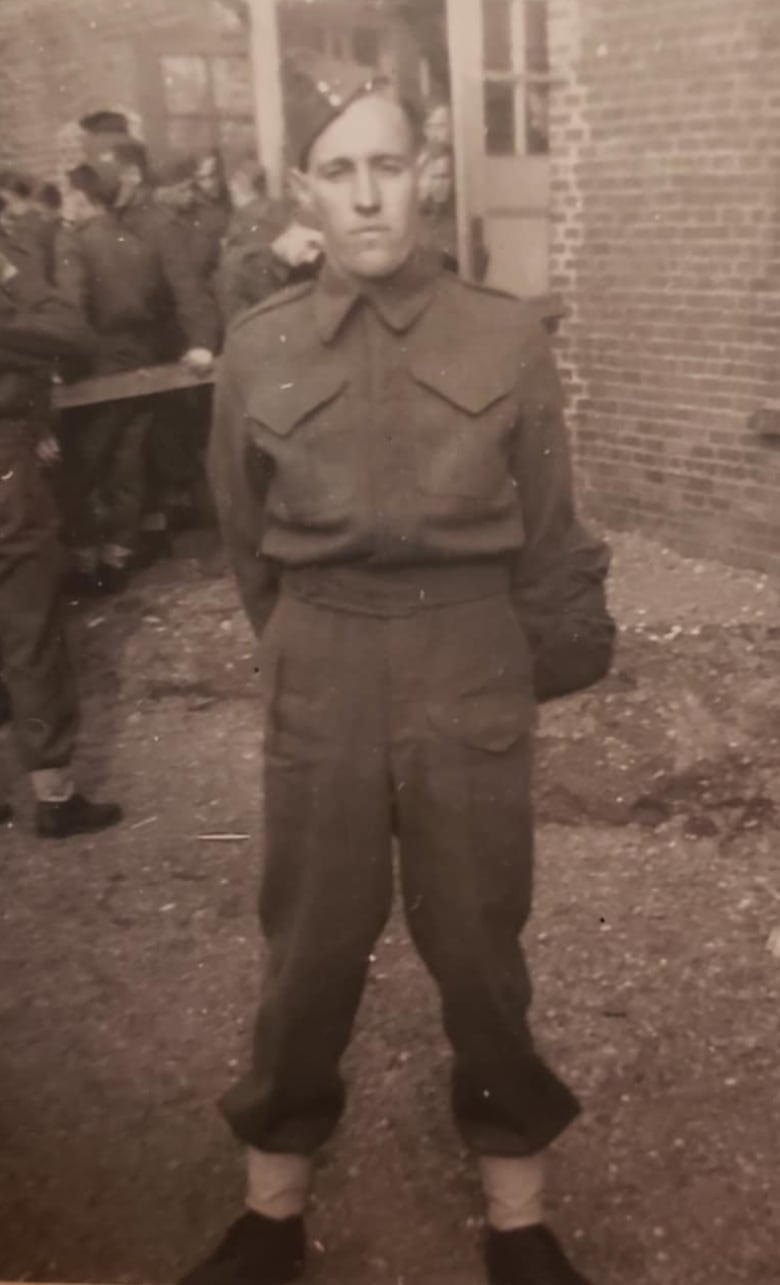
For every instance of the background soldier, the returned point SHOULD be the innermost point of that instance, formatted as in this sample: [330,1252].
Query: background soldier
[112,277]
[391,468]
[36,328]
[185,327]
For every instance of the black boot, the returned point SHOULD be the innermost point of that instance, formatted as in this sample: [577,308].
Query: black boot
[528,1256]
[75,816]
[255,1251]
[6,813]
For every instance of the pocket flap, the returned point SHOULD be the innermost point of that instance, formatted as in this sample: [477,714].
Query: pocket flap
[472,384]
[491,722]
[285,397]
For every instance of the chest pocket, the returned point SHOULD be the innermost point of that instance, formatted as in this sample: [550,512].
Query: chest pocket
[303,423]
[463,414]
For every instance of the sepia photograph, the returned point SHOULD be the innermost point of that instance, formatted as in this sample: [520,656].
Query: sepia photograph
[390,642]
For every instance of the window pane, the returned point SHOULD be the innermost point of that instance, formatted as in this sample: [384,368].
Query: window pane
[237,139]
[536,51]
[232,85]
[186,82]
[500,138]
[537,120]
[497,27]
[190,134]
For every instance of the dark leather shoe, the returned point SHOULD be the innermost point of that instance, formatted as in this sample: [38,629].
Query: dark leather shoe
[75,816]
[6,813]
[255,1251]
[528,1256]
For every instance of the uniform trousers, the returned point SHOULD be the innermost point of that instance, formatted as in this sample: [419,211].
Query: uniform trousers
[397,702]
[105,463]
[33,648]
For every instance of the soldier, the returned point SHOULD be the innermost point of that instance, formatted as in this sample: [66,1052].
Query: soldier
[112,276]
[391,469]
[185,326]
[36,328]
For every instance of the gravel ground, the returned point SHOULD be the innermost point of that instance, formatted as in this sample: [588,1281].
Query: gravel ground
[128,964]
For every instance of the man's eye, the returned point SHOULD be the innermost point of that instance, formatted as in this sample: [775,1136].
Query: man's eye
[334,171]
[389,165]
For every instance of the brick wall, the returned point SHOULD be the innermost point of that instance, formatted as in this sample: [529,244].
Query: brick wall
[666,246]
[60,59]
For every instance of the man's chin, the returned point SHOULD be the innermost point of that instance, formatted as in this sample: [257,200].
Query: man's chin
[376,263]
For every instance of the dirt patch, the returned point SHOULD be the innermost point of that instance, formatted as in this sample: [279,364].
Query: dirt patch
[129,964]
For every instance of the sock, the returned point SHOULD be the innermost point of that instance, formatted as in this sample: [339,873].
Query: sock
[277,1185]
[53,784]
[514,1190]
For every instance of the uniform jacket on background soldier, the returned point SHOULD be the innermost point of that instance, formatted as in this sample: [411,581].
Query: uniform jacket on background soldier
[113,277]
[37,329]
[183,314]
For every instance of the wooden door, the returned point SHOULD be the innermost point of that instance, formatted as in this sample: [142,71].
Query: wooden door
[500,92]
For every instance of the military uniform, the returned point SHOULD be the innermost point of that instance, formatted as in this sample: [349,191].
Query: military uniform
[36,327]
[113,277]
[391,469]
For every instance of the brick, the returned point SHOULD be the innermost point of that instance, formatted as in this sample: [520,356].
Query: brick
[666,251]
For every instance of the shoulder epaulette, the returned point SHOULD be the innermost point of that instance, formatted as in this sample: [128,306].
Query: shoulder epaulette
[276,300]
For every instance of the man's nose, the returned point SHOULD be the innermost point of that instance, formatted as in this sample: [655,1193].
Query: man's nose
[365,191]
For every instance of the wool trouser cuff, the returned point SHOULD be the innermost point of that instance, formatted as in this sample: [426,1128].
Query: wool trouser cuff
[514,1190]
[53,784]
[277,1185]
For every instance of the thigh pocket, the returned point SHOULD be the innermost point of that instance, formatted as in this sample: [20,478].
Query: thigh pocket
[489,721]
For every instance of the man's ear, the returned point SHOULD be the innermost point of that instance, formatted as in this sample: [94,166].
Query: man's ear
[300,186]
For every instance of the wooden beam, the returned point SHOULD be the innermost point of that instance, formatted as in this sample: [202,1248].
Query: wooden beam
[144,382]
[266,59]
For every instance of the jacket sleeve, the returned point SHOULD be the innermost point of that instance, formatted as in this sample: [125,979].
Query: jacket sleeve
[43,327]
[560,574]
[239,474]
[70,272]
[196,306]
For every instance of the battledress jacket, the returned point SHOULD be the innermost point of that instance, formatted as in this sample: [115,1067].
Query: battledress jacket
[38,328]
[184,312]
[415,420]
[113,278]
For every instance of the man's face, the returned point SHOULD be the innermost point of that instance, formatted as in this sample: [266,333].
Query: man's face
[76,209]
[361,184]
[207,178]
[440,180]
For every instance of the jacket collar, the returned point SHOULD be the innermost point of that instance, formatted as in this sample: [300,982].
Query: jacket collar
[398,299]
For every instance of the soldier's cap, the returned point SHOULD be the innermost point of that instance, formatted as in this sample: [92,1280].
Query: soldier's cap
[317,91]
[105,122]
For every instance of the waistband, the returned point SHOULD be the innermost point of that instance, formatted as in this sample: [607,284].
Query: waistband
[396,591]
